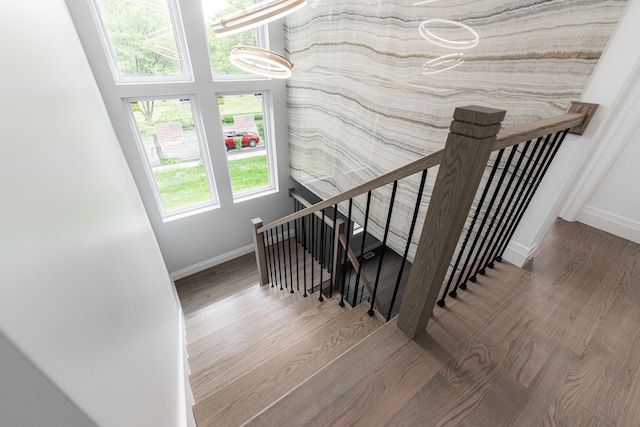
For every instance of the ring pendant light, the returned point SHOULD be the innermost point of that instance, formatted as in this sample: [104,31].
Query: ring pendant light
[446,43]
[442,63]
[261,61]
[255,15]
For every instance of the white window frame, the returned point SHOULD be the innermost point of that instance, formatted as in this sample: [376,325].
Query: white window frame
[262,37]
[200,84]
[270,149]
[181,45]
[204,152]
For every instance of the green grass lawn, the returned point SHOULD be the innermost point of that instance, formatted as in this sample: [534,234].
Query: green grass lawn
[241,104]
[181,187]
[249,173]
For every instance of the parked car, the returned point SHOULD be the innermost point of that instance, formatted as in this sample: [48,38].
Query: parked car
[249,139]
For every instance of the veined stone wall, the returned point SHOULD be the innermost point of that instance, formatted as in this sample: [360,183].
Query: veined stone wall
[360,105]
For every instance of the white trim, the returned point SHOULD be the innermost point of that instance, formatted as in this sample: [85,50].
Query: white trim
[211,262]
[611,223]
[184,372]
[518,254]
[611,139]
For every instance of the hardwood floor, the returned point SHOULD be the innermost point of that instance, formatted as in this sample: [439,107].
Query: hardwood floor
[556,343]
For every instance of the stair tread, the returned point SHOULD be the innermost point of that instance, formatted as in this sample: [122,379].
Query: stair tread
[311,398]
[227,324]
[225,312]
[233,352]
[259,388]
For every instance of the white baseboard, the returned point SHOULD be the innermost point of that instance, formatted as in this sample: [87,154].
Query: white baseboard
[611,223]
[184,372]
[518,254]
[212,262]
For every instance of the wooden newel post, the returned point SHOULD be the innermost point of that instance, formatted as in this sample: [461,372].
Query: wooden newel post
[469,144]
[261,259]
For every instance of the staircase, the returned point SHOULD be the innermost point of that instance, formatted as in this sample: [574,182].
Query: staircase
[249,350]
[553,344]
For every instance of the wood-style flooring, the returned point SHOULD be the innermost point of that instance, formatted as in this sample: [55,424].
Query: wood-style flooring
[556,343]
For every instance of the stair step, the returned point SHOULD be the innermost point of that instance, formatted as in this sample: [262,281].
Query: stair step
[326,387]
[217,283]
[225,312]
[233,352]
[259,388]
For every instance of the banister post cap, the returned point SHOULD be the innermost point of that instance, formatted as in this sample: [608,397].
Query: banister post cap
[478,115]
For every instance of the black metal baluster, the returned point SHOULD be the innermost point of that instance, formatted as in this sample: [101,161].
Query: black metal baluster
[277,249]
[364,237]
[384,246]
[322,224]
[527,183]
[491,231]
[313,249]
[346,249]
[290,258]
[530,194]
[273,259]
[414,219]
[284,256]
[297,227]
[265,240]
[454,293]
[304,256]
[507,214]
[462,284]
[333,248]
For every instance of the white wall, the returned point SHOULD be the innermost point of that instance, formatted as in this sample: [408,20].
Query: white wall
[85,295]
[578,168]
[615,204]
[20,382]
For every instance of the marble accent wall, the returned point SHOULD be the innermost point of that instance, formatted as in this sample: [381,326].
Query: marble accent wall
[359,104]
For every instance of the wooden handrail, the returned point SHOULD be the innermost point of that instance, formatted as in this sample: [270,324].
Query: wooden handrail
[528,131]
[306,204]
[506,138]
[419,165]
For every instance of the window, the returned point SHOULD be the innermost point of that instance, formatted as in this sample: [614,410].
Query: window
[219,47]
[202,142]
[248,142]
[171,138]
[142,38]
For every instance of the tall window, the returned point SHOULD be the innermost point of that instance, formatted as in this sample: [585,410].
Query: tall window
[171,141]
[219,47]
[246,142]
[142,38]
[196,135]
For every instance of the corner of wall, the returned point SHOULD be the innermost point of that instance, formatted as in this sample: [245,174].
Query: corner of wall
[518,254]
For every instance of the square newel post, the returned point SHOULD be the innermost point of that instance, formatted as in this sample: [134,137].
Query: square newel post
[472,135]
[261,259]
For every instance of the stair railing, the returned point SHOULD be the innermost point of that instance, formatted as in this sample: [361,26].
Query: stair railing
[475,134]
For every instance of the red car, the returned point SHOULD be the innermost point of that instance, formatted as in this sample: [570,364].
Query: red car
[249,139]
